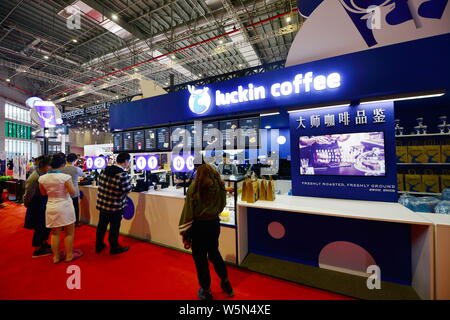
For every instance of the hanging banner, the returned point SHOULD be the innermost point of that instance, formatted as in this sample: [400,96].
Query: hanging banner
[344,152]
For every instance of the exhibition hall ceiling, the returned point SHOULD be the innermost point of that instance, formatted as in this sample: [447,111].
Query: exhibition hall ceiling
[79,53]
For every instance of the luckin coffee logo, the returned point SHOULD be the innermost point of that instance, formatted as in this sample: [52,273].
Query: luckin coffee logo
[200,100]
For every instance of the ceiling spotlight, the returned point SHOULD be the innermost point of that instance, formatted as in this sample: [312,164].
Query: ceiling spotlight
[221,41]
[74,40]
[8,80]
[97,101]
[114,17]
[46,57]
[172,57]
[166,83]
[288,19]
[199,74]
[240,65]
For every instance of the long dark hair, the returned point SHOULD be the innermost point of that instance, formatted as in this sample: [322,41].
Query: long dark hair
[205,181]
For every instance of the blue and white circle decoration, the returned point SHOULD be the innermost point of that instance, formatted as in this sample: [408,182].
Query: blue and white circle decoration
[152,162]
[200,100]
[99,162]
[141,163]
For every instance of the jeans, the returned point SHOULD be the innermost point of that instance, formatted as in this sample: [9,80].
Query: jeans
[76,205]
[205,244]
[41,234]
[113,218]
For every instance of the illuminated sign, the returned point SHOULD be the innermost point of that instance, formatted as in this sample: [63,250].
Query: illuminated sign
[147,163]
[183,163]
[93,163]
[200,99]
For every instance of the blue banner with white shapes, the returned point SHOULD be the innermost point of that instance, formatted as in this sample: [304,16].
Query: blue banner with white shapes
[345,152]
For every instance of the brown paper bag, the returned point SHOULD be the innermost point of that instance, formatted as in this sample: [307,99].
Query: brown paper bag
[262,189]
[244,191]
[271,190]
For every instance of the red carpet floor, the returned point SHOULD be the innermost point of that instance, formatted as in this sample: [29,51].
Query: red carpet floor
[147,271]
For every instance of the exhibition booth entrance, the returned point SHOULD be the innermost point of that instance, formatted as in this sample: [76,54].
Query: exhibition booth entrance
[312,160]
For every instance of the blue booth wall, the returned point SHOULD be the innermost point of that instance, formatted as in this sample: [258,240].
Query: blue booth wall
[413,66]
[306,235]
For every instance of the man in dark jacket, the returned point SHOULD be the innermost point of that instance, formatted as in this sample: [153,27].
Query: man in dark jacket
[36,204]
[114,184]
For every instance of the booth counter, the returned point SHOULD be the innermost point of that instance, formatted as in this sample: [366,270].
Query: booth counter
[156,218]
[441,224]
[342,235]
[309,231]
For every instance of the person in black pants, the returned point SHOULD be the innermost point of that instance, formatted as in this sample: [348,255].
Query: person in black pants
[200,225]
[114,184]
[35,214]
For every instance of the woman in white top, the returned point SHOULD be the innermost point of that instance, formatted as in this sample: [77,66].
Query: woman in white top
[60,213]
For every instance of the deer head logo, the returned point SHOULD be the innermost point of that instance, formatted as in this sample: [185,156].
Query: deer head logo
[200,100]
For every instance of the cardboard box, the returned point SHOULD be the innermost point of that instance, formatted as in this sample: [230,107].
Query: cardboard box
[402,154]
[445,181]
[413,183]
[416,154]
[400,182]
[445,154]
[433,153]
[431,183]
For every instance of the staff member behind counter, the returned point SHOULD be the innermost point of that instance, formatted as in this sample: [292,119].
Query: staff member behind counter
[227,167]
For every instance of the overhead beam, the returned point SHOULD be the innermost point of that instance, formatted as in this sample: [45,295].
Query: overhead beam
[135,31]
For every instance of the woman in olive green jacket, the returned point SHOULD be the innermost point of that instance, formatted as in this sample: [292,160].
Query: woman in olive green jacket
[200,225]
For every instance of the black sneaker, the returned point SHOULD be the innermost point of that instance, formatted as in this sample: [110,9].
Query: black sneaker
[204,294]
[118,250]
[42,252]
[45,245]
[227,288]
[99,248]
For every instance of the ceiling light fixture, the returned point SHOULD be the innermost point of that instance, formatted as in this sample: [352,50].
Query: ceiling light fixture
[8,80]
[114,16]
[74,40]
[46,57]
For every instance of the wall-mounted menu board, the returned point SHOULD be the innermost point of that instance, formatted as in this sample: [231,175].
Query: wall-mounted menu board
[163,138]
[208,133]
[128,141]
[150,140]
[227,127]
[139,140]
[117,142]
[246,124]
[180,132]
[192,135]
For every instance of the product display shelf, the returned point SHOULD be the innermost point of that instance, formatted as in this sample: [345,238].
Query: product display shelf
[420,193]
[423,135]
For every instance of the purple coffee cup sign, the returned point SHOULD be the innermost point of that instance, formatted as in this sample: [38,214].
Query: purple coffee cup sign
[46,113]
